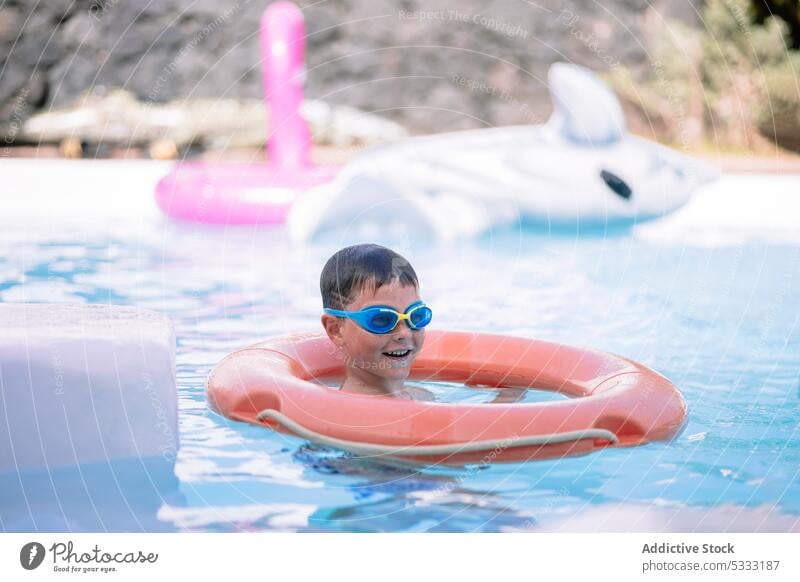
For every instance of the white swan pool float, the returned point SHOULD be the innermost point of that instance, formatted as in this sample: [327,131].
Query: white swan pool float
[580,169]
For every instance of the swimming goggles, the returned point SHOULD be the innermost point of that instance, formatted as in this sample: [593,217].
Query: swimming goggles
[381,319]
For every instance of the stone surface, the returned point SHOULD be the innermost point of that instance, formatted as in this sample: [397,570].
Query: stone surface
[433,66]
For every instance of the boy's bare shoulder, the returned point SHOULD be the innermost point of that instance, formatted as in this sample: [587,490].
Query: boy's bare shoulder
[417,393]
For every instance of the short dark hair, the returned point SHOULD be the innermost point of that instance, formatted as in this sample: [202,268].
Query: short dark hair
[355,267]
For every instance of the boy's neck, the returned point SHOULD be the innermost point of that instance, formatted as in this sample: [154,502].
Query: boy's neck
[354,384]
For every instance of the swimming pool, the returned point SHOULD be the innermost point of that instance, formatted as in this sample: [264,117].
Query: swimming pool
[709,297]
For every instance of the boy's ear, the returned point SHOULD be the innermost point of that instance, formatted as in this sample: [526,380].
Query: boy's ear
[333,327]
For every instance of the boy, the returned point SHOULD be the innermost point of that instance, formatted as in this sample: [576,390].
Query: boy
[374,315]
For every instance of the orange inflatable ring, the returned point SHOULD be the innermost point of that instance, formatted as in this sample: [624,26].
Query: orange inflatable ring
[614,401]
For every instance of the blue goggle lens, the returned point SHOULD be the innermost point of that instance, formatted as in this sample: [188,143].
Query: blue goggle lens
[382,321]
[421,316]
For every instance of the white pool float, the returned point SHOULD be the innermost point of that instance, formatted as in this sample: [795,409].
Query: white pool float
[580,169]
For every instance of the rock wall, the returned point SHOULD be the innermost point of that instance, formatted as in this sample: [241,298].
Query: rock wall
[432,65]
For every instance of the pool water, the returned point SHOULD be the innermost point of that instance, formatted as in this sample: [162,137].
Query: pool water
[451,392]
[719,320]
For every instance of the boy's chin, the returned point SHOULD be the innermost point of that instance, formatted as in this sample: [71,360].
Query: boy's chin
[398,373]
[395,373]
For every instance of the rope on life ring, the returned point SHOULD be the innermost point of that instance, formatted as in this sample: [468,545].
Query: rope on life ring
[374,449]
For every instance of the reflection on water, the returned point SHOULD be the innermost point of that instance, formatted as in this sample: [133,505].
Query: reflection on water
[118,496]
[721,323]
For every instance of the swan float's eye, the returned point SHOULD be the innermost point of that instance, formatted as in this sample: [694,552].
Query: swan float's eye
[617,184]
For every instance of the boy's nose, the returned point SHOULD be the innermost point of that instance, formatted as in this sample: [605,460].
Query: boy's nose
[402,333]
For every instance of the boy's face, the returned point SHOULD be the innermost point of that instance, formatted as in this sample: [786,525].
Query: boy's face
[370,355]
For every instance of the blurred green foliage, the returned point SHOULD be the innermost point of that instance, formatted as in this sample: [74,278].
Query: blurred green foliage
[731,85]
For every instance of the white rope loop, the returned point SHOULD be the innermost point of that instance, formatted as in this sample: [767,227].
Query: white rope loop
[429,450]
